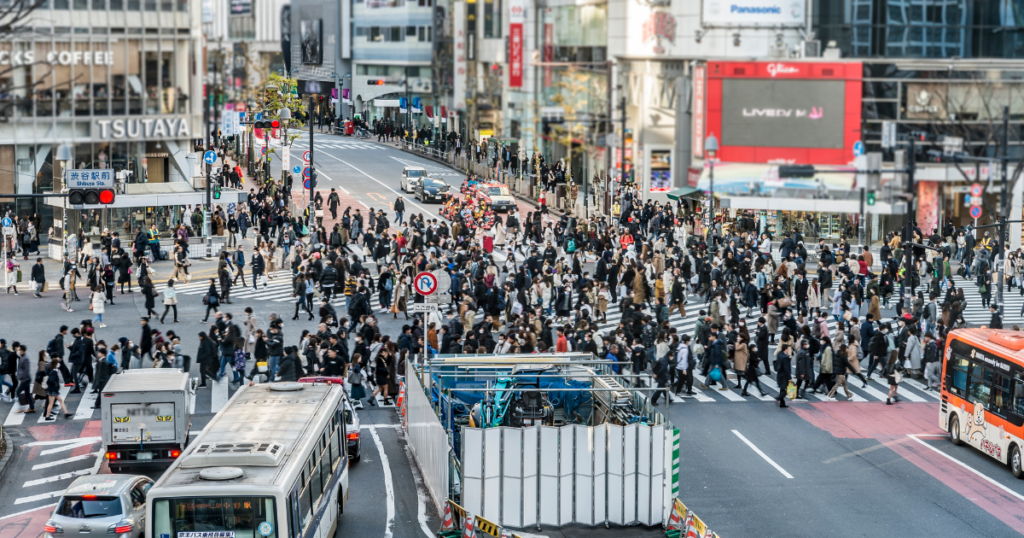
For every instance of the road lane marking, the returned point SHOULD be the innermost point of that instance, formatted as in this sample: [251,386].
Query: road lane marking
[969,468]
[85,405]
[56,478]
[64,461]
[388,486]
[40,497]
[219,394]
[762,454]
[23,512]
[63,442]
[423,209]
[77,443]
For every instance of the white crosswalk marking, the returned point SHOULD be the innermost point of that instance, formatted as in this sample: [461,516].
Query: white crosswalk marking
[85,406]
[219,394]
[55,411]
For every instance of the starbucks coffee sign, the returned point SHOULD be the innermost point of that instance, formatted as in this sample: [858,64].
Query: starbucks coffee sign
[141,129]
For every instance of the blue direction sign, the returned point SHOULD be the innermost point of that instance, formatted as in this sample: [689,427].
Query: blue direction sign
[858,148]
[975,211]
[7,222]
[210,157]
[259,116]
[307,184]
[297,169]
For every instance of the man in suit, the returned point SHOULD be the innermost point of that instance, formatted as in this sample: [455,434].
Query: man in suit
[800,291]
[762,344]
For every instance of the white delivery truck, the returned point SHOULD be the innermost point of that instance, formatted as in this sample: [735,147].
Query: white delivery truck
[146,417]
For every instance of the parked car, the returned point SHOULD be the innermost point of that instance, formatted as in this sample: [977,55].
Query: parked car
[101,505]
[411,177]
[431,189]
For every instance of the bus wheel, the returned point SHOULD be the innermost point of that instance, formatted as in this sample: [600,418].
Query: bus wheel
[1015,463]
[954,430]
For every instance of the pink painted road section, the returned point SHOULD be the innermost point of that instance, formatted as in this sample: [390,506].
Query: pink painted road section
[29,524]
[891,425]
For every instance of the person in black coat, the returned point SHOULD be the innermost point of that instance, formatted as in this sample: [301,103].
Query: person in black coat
[783,374]
[146,341]
[290,368]
[996,322]
[206,356]
[212,299]
[762,344]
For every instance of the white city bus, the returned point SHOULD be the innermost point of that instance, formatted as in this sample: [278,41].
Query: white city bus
[272,464]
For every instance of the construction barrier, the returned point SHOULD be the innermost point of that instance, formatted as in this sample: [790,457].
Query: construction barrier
[683,523]
[457,523]
[427,438]
[546,475]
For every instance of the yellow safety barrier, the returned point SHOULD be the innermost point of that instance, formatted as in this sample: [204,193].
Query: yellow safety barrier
[683,523]
[452,526]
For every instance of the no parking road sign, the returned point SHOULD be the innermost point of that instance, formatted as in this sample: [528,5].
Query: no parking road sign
[975,211]
[425,283]
[307,184]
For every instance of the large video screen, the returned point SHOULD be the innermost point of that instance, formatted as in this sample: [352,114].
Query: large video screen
[783,113]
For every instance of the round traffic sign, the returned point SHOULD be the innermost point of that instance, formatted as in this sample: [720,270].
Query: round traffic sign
[425,283]
[7,222]
[210,157]
[858,148]
[297,169]
[306,172]
[307,155]
[307,184]
[976,189]
[263,150]
[975,211]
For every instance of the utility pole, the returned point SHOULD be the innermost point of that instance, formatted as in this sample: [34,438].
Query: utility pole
[312,172]
[207,219]
[908,230]
[622,145]
[1004,210]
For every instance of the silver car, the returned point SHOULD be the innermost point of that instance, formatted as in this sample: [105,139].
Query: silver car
[111,505]
[411,175]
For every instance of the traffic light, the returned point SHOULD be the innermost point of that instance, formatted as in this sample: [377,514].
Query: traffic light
[266,124]
[216,190]
[91,196]
[871,198]
[796,170]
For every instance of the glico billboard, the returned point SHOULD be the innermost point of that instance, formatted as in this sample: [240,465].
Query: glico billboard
[784,112]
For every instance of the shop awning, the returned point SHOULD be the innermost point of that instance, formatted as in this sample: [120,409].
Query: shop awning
[684,192]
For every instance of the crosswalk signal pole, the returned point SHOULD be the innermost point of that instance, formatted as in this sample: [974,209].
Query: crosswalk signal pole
[908,232]
[1004,209]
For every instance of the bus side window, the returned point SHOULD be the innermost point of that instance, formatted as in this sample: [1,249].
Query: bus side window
[1018,394]
[956,370]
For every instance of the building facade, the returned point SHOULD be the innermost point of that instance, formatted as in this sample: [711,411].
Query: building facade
[115,79]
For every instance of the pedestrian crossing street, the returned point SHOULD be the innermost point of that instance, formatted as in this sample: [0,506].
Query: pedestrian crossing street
[204,401]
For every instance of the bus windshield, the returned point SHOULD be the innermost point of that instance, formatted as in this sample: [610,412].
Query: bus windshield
[239,517]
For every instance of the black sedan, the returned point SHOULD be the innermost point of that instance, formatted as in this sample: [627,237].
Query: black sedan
[431,189]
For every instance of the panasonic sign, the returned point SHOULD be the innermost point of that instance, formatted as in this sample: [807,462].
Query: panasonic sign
[753,13]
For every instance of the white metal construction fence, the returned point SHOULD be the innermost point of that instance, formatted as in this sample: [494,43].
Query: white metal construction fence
[557,476]
[427,439]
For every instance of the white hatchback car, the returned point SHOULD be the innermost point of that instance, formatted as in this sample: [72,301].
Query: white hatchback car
[411,175]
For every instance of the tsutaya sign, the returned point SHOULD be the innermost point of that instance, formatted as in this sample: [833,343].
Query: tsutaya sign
[121,129]
[65,57]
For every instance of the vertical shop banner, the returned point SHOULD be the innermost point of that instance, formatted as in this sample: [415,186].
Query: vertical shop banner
[549,51]
[459,69]
[928,206]
[699,85]
[517,8]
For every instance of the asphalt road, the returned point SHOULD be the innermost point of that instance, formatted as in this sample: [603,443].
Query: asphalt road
[855,471]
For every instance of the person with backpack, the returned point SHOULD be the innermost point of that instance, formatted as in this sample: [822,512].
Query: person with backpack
[661,376]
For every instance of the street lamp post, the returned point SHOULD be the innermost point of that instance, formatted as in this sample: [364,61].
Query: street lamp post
[711,148]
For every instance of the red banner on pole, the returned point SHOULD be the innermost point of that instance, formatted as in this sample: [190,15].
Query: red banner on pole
[515,43]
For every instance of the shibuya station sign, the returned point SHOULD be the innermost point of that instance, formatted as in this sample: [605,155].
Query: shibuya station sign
[141,128]
[65,57]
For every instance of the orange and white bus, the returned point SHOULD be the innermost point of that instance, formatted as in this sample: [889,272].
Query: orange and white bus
[983,393]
